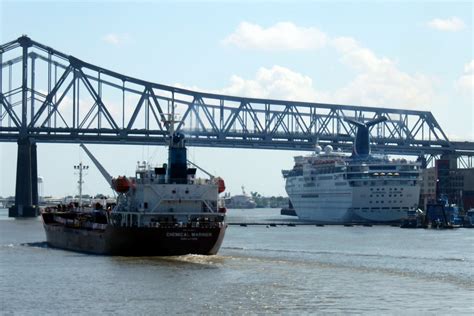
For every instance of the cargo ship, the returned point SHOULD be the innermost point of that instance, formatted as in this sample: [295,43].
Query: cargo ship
[330,187]
[161,211]
[240,201]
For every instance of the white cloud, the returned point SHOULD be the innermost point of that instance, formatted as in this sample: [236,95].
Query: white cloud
[384,88]
[469,67]
[452,24]
[360,58]
[466,82]
[281,36]
[116,39]
[379,82]
[276,83]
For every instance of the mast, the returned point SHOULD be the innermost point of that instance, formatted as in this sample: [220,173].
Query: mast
[80,167]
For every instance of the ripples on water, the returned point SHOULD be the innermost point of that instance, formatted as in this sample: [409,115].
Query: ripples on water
[283,270]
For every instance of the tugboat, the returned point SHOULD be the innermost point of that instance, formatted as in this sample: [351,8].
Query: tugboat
[414,219]
[441,214]
[162,211]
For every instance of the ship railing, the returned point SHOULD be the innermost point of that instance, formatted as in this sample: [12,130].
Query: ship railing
[184,225]
[137,219]
[168,213]
[385,175]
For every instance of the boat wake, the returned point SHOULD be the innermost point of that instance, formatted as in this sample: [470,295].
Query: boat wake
[346,254]
[39,244]
[198,259]
[357,262]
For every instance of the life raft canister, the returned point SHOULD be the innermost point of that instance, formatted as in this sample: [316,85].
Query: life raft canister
[222,210]
[220,185]
[121,184]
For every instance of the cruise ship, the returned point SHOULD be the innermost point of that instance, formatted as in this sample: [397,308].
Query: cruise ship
[330,187]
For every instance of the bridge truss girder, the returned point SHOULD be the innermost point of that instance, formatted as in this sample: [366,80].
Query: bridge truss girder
[59,98]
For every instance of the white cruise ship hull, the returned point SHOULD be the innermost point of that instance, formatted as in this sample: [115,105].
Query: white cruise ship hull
[334,201]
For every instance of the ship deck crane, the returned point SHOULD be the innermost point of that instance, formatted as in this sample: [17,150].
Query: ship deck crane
[102,170]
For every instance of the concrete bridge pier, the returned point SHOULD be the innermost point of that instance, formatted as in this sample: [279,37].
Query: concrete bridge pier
[26,191]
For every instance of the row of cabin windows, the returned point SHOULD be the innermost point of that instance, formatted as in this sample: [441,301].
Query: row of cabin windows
[383,189]
[388,202]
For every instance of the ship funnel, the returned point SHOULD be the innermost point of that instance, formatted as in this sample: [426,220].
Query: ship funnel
[177,159]
[361,146]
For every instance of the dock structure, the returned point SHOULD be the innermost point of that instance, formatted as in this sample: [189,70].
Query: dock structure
[49,96]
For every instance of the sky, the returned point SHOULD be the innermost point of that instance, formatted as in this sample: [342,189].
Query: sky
[403,54]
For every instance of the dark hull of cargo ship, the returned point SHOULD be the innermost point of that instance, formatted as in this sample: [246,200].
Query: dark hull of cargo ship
[136,241]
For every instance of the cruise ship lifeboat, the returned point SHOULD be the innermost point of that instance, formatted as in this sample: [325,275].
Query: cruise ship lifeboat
[121,184]
[220,184]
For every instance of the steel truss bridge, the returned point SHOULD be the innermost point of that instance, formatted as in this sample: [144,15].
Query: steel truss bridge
[49,96]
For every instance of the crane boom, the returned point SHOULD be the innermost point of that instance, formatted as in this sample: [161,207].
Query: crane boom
[102,170]
[192,163]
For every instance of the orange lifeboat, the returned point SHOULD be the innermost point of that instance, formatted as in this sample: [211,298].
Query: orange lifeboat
[121,184]
[220,185]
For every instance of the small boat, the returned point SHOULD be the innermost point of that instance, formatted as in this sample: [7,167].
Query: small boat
[414,219]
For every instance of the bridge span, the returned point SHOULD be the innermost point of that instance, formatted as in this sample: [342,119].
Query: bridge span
[49,96]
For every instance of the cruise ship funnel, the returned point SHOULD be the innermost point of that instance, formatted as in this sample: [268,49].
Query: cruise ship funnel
[361,148]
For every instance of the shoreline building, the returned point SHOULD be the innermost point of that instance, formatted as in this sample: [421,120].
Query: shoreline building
[445,178]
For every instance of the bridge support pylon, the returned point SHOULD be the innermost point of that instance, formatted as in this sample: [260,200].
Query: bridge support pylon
[26,191]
